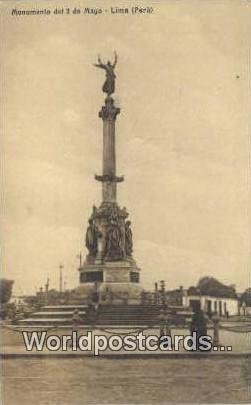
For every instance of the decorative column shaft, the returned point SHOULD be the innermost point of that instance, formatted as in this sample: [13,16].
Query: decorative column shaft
[109,179]
[109,157]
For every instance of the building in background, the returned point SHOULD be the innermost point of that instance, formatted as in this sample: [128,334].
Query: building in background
[212,297]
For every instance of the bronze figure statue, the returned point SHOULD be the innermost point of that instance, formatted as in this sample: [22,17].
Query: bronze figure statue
[109,85]
[91,239]
[128,239]
[114,242]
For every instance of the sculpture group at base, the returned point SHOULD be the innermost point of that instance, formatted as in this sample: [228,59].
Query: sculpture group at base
[115,237]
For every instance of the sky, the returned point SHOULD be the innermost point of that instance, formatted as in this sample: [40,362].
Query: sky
[183,138]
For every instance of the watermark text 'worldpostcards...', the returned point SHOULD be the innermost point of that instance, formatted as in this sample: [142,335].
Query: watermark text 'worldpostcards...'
[89,342]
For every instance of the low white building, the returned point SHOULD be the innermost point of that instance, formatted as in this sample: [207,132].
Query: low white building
[222,306]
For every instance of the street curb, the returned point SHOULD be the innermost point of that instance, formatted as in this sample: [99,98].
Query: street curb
[125,356]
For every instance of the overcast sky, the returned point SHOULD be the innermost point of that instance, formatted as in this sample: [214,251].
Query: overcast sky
[182,139]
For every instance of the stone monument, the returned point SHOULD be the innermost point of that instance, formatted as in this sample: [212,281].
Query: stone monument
[109,265]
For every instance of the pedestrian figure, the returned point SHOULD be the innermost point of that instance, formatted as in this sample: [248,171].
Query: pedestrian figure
[165,332]
[198,325]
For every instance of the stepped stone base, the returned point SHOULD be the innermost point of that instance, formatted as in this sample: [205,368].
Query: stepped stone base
[115,314]
[55,315]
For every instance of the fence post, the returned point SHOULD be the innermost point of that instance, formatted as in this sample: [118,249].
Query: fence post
[216,324]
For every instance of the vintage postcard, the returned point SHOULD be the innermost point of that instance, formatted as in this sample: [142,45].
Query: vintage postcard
[126,202]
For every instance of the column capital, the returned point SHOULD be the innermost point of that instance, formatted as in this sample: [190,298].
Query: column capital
[109,111]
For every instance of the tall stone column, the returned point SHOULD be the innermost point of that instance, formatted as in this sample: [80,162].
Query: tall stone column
[109,179]
[109,241]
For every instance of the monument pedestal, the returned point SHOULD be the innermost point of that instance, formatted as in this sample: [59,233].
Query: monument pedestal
[112,280]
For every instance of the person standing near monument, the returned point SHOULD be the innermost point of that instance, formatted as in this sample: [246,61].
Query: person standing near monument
[198,325]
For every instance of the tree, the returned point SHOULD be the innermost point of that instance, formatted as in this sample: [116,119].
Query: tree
[211,286]
[246,297]
[5,290]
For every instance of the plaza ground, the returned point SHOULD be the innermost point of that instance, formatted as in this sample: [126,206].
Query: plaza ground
[77,381]
[88,380]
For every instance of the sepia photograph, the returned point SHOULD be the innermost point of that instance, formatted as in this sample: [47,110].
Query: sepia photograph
[126,202]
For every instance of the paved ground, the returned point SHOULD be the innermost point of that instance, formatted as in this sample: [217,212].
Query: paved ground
[103,381]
